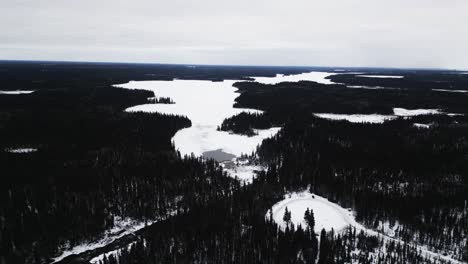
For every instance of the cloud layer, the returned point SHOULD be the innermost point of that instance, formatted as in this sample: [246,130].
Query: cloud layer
[397,33]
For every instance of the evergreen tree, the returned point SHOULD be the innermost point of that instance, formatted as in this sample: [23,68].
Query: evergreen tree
[309,218]
[287,216]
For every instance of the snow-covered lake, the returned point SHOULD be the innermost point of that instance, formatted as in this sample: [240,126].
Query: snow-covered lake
[319,77]
[379,119]
[207,104]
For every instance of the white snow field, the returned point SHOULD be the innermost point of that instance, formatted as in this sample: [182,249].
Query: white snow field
[381,76]
[16,92]
[330,215]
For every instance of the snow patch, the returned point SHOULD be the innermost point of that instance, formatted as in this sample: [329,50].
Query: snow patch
[245,173]
[423,126]
[416,112]
[16,92]
[357,118]
[450,91]
[21,150]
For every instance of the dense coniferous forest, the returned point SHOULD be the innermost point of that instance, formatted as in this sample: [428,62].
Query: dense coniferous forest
[373,168]
[96,164]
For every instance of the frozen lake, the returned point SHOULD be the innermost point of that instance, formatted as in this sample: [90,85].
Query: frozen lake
[207,104]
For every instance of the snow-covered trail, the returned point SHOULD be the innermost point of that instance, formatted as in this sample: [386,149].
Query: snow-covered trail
[340,217]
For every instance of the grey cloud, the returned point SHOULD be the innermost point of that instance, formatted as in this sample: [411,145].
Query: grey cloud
[417,33]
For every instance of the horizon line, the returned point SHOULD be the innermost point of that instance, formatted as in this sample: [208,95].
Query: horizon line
[232,65]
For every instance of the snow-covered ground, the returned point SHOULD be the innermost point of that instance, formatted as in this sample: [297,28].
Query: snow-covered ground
[21,150]
[245,173]
[330,215]
[16,92]
[381,76]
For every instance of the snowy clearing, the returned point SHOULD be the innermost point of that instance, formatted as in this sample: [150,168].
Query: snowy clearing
[331,215]
[357,118]
[21,150]
[450,91]
[327,215]
[245,173]
[16,92]
[381,76]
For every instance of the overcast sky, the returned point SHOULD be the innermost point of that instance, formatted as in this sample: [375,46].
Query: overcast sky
[389,33]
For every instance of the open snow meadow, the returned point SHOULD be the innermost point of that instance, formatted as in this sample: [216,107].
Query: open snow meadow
[331,216]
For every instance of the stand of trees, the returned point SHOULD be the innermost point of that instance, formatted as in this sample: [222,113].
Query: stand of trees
[96,162]
[373,168]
